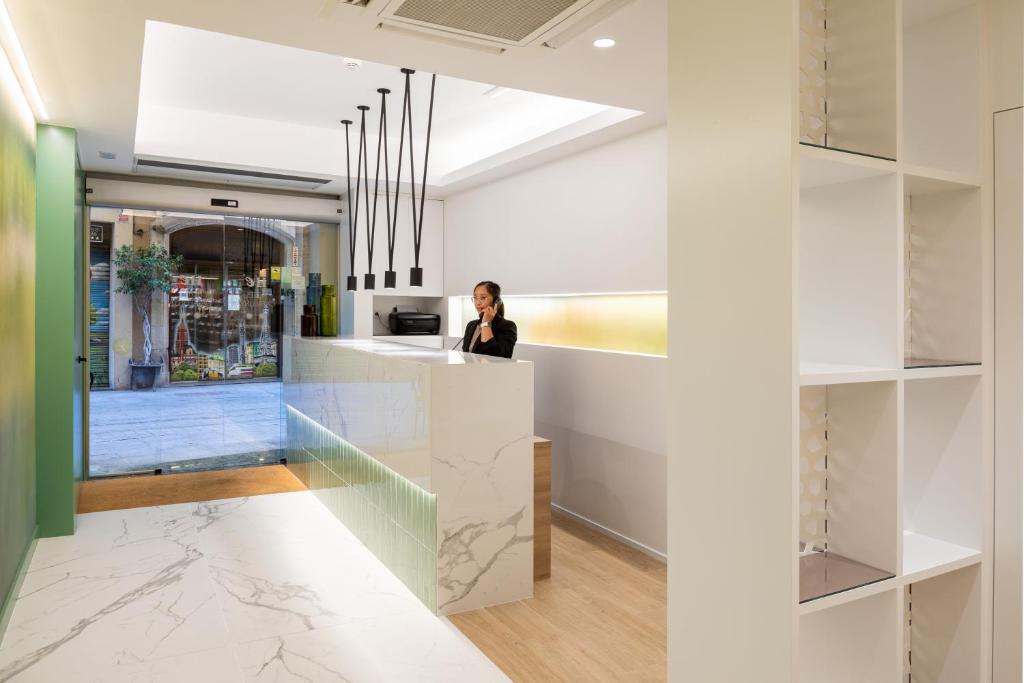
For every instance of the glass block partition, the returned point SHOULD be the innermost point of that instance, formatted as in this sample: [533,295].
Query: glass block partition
[393,517]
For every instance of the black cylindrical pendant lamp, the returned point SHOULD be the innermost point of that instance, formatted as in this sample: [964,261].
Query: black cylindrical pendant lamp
[369,280]
[382,128]
[415,273]
[351,282]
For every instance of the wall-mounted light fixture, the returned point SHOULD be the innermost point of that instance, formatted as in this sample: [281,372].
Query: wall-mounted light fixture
[19,63]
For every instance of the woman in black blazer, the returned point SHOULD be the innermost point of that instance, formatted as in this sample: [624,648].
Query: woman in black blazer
[491,334]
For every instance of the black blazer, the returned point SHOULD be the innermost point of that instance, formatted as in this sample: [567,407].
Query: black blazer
[505,335]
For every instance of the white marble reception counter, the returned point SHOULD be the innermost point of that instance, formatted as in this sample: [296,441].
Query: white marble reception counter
[425,454]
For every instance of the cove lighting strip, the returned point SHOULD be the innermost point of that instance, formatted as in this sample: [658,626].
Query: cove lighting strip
[16,55]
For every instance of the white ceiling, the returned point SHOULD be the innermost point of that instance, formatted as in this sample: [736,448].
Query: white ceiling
[229,93]
[245,103]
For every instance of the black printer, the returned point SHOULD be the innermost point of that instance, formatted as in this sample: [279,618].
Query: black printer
[413,322]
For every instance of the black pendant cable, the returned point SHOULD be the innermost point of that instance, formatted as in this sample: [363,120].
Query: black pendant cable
[362,168]
[351,281]
[391,276]
[423,190]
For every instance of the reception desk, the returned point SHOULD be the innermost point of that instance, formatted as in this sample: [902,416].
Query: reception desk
[425,455]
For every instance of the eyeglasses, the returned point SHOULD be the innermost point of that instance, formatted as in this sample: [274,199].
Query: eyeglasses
[481,299]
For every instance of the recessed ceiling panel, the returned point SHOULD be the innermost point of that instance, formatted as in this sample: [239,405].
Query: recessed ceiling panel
[217,99]
[511,20]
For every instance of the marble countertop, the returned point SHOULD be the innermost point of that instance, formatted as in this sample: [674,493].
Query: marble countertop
[406,352]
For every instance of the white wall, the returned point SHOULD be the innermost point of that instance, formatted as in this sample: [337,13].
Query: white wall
[592,222]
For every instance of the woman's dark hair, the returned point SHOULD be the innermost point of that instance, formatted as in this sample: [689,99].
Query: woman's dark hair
[494,289]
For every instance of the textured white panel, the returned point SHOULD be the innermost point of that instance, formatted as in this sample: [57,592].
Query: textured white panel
[813,468]
[511,20]
[813,93]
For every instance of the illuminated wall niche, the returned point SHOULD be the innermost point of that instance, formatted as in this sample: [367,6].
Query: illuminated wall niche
[630,322]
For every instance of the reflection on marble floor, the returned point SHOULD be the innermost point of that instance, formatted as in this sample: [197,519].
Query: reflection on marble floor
[143,430]
[270,588]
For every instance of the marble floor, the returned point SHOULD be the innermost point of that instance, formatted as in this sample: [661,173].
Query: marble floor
[173,427]
[269,588]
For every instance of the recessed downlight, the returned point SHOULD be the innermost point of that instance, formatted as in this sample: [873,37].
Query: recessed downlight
[604,42]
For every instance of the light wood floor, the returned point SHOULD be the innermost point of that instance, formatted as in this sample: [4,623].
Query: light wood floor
[600,617]
[121,493]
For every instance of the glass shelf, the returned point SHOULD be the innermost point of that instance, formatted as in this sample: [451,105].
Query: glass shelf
[824,573]
[913,363]
[846,151]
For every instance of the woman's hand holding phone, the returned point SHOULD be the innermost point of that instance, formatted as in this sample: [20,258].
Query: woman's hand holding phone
[489,313]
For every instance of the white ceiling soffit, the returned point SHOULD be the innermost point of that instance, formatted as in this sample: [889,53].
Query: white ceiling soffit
[87,57]
[210,99]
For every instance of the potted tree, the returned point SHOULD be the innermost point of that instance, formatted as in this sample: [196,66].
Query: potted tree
[144,271]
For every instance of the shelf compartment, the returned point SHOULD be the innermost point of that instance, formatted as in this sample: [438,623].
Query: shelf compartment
[942,471]
[848,93]
[925,557]
[942,273]
[944,628]
[823,574]
[823,166]
[817,374]
[852,642]
[849,309]
[941,85]
[848,507]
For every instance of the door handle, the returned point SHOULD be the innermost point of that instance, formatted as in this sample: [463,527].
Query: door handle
[81,359]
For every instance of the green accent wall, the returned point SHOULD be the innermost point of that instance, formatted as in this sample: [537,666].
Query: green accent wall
[58,329]
[17,334]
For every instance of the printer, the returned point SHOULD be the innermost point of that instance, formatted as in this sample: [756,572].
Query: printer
[408,320]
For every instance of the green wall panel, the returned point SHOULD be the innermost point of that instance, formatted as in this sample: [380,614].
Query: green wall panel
[17,332]
[58,329]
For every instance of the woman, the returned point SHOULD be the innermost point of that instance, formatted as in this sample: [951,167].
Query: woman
[491,334]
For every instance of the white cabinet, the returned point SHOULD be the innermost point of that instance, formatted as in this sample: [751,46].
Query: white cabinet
[895,454]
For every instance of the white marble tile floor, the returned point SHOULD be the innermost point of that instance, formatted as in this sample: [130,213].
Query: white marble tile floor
[270,588]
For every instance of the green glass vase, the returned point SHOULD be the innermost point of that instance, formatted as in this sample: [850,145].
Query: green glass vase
[328,312]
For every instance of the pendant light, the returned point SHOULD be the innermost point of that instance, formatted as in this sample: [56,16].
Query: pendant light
[389,275]
[415,272]
[351,281]
[364,170]
[423,190]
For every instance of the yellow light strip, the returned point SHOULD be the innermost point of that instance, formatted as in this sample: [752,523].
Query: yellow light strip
[16,57]
[627,322]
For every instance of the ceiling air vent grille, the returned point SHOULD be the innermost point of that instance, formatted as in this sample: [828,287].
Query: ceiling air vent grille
[220,174]
[507,20]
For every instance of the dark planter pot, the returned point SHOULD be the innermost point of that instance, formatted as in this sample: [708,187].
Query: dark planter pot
[144,375]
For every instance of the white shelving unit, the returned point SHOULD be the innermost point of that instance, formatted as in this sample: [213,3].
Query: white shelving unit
[895,343]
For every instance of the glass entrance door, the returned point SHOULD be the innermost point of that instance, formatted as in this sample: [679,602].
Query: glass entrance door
[225,305]
[253,262]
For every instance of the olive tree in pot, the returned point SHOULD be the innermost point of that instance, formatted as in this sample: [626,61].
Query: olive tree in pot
[144,271]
